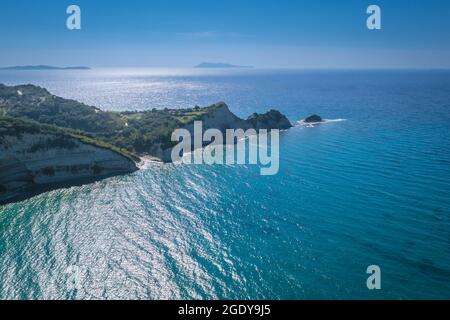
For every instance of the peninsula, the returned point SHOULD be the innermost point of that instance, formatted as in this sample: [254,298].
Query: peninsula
[47,140]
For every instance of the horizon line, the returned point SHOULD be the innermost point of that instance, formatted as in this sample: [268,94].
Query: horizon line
[91,68]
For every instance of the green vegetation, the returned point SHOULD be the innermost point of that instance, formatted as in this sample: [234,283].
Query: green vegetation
[64,137]
[127,133]
[133,132]
[269,120]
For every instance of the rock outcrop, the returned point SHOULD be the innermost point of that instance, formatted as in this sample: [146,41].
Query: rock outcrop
[313,119]
[270,120]
[220,117]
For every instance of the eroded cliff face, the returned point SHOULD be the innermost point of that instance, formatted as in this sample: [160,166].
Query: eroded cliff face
[30,161]
[222,118]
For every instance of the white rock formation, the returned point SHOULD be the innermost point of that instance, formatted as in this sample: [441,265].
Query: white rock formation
[33,160]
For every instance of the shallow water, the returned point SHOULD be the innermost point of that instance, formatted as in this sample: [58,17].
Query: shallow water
[373,189]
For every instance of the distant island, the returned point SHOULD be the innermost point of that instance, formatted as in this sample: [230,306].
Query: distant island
[45,67]
[219,65]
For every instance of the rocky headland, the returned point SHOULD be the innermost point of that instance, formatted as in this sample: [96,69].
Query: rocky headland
[47,140]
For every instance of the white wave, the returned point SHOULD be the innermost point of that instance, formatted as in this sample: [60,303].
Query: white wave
[147,161]
[333,120]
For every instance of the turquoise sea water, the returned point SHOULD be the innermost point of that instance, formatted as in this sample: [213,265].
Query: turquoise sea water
[373,189]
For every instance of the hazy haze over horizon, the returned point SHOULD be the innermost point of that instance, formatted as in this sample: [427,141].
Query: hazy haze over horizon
[269,34]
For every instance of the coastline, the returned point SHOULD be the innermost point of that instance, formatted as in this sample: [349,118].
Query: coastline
[64,147]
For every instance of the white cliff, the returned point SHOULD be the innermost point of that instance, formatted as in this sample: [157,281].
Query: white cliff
[220,117]
[29,161]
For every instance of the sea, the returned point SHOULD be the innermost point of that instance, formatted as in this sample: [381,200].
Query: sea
[369,187]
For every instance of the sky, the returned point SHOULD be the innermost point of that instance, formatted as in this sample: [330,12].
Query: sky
[263,33]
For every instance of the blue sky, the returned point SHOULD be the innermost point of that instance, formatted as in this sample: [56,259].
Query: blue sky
[264,33]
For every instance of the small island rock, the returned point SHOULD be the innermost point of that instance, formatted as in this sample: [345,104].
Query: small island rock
[312,119]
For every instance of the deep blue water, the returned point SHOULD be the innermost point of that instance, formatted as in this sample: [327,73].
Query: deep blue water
[374,189]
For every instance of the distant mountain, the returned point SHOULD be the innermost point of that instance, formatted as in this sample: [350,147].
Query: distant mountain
[45,67]
[219,65]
